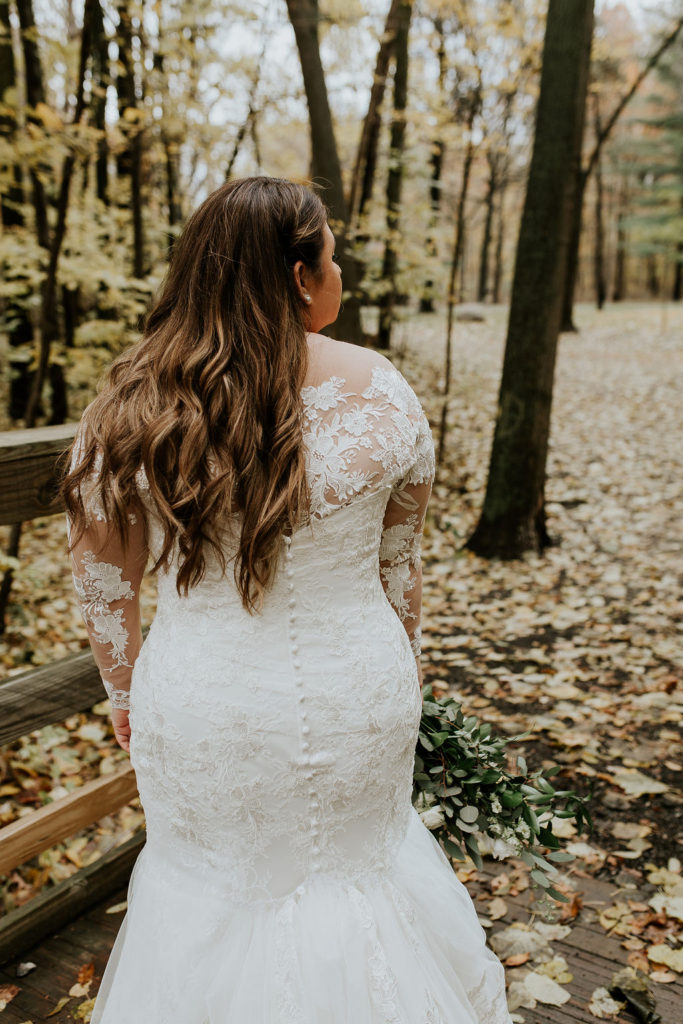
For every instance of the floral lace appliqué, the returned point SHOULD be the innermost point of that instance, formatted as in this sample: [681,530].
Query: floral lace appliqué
[98,588]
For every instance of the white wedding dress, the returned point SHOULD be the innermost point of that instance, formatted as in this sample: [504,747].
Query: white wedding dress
[286,877]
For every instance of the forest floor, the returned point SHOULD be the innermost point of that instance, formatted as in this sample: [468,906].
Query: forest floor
[577,647]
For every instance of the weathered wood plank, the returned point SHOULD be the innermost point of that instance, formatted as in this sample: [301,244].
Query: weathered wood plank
[48,694]
[28,483]
[55,907]
[593,956]
[30,1004]
[34,832]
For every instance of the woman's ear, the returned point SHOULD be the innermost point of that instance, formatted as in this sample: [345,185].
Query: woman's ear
[299,271]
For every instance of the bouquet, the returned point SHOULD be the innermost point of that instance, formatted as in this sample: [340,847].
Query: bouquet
[463,791]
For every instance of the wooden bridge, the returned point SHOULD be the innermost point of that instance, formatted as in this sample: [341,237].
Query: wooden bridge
[67,931]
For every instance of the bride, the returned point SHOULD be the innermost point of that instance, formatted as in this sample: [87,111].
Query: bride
[278,480]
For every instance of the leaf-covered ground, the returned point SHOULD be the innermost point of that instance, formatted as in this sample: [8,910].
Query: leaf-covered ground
[579,647]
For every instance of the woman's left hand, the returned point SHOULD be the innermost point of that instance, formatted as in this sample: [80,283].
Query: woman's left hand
[119,719]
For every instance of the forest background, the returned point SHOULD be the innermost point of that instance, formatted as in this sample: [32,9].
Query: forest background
[418,120]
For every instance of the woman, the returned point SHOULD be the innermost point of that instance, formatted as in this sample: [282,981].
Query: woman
[279,481]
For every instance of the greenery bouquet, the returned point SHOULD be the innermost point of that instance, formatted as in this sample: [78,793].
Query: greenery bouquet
[463,790]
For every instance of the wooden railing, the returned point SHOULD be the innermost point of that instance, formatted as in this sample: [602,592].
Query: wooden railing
[43,696]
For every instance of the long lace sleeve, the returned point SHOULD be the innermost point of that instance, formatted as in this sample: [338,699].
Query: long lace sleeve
[107,579]
[399,554]
[400,546]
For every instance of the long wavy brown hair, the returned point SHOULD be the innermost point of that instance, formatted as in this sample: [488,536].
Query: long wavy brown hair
[208,401]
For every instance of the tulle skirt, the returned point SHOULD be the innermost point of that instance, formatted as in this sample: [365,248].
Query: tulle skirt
[405,947]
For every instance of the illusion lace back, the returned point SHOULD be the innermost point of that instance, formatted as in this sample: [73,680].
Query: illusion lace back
[286,877]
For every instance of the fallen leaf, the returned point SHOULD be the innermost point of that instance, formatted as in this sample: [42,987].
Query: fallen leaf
[663,977]
[517,939]
[662,954]
[86,973]
[602,1005]
[7,994]
[517,960]
[519,995]
[557,969]
[79,990]
[671,905]
[629,830]
[84,1010]
[116,908]
[24,969]
[638,960]
[634,783]
[545,990]
[497,908]
[60,1006]
[92,731]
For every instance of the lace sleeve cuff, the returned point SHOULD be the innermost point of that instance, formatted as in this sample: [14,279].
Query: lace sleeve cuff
[416,642]
[118,698]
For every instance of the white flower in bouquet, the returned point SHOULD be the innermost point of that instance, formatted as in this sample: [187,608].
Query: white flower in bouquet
[499,849]
[523,830]
[424,800]
[432,817]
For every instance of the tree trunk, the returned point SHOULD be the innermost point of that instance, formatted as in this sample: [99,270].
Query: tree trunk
[567,321]
[16,320]
[458,246]
[247,125]
[436,161]
[482,290]
[652,275]
[395,176]
[129,163]
[678,269]
[363,176]
[35,94]
[619,292]
[513,517]
[48,313]
[600,285]
[500,232]
[304,16]
[13,195]
[101,79]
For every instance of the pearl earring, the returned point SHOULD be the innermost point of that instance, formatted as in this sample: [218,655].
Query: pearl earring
[307,298]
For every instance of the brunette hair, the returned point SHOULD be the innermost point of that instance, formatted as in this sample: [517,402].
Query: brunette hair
[208,401]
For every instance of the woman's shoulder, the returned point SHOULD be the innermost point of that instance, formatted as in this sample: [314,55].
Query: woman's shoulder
[356,365]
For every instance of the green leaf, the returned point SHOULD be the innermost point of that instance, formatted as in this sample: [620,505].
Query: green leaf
[540,878]
[510,799]
[473,848]
[425,742]
[560,856]
[453,849]
[469,814]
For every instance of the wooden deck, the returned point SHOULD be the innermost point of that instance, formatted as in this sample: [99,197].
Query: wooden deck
[592,956]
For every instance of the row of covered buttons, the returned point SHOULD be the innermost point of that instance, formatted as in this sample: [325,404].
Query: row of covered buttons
[298,682]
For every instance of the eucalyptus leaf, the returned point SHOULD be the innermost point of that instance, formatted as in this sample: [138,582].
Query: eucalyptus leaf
[469,814]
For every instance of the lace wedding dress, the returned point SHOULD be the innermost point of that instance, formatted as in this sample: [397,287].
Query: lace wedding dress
[286,877]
